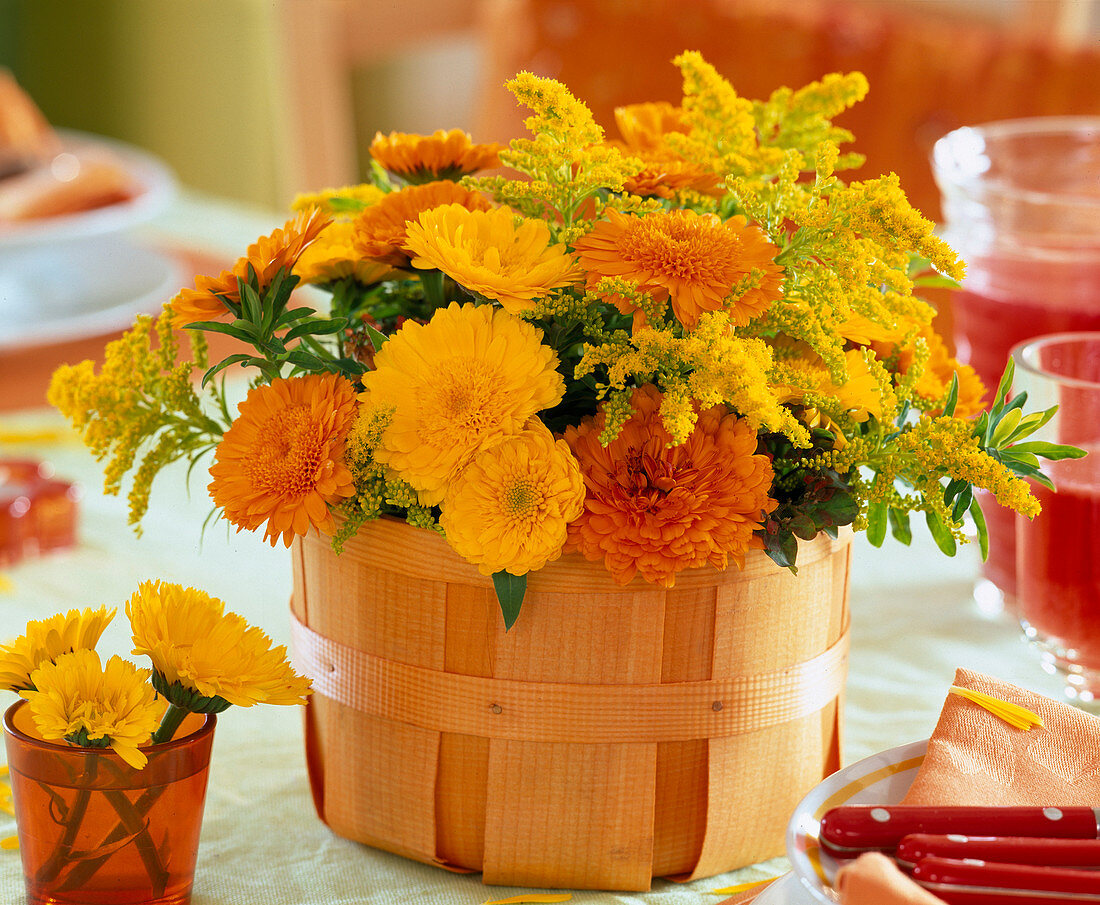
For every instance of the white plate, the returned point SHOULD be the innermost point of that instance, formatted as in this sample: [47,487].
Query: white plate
[81,288]
[156,186]
[882,778]
[784,891]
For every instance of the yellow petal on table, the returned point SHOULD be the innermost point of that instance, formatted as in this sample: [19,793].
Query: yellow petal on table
[533,897]
[1013,714]
[6,584]
[739,887]
[9,843]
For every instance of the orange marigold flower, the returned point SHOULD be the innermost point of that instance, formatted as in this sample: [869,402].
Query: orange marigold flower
[936,379]
[699,262]
[644,126]
[380,230]
[282,461]
[654,509]
[332,258]
[665,175]
[267,256]
[441,155]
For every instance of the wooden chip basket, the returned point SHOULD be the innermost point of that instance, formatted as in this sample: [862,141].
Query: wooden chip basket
[613,735]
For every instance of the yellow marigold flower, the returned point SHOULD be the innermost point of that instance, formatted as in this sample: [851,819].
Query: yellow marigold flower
[666,175]
[510,507]
[698,261]
[95,705]
[935,379]
[380,231]
[486,252]
[199,649]
[282,461]
[333,257]
[857,396]
[441,155]
[267,256]
[655,509]
[340,202]
[47,639]
[471,376]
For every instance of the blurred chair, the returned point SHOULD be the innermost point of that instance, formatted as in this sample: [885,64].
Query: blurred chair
[932,66]
[323,45]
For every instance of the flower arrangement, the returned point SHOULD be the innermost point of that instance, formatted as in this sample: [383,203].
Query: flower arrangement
[660,351]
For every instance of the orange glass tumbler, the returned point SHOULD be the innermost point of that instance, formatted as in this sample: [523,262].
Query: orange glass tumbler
[93,830]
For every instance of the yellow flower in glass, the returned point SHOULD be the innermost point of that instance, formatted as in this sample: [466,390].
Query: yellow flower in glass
[469,377]
[510,507]
[696,260]
[93,705]
[655,509]
[486,252]
[282,461]
[47,639]
[205,659]
[441,155]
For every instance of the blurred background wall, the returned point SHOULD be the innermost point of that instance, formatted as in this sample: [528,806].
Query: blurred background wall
[256,99]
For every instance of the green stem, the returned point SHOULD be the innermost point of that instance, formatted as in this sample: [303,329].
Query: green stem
[432,281]
[53,866]
[169,723]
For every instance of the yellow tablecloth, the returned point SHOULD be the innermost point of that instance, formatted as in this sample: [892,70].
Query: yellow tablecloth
[913,622]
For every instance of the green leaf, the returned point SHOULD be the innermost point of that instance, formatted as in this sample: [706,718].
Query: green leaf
[941,534]
[377,337]
[936,281]
[253,310]
[900,527]
[1007,424]
[305,360]
[979,523]
[1004,386]
[316,328]
[225,363]
[1052,451]
[876,523]
[241,330]
[952,396]
[962,503]
[510,592]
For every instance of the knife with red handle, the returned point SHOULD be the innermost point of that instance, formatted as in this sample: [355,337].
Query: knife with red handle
[1082,853]
[850,830]
[970,882]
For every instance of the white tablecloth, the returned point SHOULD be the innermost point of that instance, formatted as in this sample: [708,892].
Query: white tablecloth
[913,623]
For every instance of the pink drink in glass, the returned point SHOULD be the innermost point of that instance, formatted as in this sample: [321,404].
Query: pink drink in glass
[1021,201]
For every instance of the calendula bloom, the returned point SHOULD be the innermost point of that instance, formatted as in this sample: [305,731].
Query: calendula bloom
[204,658]
[666,176]
[47,639]
[644,126]
[471,376]
[441,155]
[267,256]
[380,231]
[333,257]
[653,509]
[700,262]
[342,202]
[935,380]
[510,507]
[487,252]
[282,461]
[95,705]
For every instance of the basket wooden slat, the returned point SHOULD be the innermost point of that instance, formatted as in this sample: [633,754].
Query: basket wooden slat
[581,749]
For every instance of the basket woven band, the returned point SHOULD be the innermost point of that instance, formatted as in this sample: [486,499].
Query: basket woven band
[553,711]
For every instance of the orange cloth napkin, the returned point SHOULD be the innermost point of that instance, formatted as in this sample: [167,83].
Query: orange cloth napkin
[975,758]
[874,879]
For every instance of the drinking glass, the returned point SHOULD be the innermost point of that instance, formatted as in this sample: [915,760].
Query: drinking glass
[1021,204]
[1058,552]
[95,831]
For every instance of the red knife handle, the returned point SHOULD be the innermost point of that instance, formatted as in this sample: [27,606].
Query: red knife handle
[947,877]
[850,830]
[1007,849]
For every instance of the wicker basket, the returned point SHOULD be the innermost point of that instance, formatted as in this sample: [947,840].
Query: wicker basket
[613,735]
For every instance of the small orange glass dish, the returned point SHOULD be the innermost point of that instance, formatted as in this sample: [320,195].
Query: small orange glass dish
[95,831]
